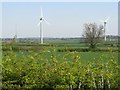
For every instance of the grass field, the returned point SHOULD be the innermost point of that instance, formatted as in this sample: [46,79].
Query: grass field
[84,56]
[104,54]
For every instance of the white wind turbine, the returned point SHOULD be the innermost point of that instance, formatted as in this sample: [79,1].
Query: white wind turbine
[15,36]
[104,25]
[40,23]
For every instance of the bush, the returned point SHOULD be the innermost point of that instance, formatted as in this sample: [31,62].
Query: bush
[88,49]
[33,72]
[73,50]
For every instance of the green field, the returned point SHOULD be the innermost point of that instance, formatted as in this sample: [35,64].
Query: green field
[84,56]
[60,66]
[102,53]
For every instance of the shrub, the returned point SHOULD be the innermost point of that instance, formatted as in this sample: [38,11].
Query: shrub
[35,72]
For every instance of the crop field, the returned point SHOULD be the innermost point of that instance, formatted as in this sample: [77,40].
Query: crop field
[59,66]
[85,57]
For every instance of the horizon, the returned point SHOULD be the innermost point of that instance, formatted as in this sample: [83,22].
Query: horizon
[56,37]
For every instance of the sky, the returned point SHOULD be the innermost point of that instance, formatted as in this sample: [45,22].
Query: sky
[66,18]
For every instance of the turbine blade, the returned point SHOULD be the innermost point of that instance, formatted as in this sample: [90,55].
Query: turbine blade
[41,12]
[38,24]
[46,21]
[107,19]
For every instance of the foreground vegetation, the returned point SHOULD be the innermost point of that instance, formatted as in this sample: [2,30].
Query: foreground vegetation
[49,68]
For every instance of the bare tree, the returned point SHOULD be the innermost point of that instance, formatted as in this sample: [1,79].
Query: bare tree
[93,34]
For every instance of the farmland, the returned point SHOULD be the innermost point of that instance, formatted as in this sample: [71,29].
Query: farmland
[60,65]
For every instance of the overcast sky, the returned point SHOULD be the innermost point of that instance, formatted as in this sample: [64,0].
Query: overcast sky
[66,18]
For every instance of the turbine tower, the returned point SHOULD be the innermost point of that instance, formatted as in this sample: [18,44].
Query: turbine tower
[104,25]
[41,24]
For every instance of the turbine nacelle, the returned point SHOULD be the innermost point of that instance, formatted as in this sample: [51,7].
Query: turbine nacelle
[105,22]
[41,19]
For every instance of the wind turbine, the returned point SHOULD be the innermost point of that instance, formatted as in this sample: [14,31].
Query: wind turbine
[16,33]
[104,25]
[15,36]
[41,23]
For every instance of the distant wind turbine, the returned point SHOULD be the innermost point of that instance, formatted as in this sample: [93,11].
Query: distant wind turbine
[15,37]
[104,25]
[40,23]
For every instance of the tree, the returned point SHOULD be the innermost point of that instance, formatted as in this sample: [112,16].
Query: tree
[93,34]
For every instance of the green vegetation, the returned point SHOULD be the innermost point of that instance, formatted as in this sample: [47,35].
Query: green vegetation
[59,66]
